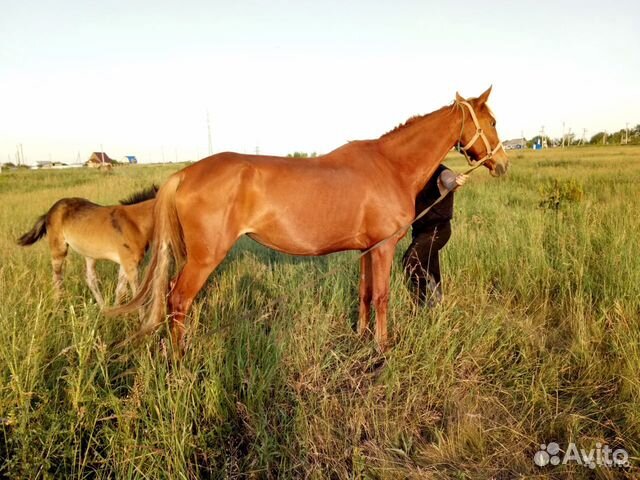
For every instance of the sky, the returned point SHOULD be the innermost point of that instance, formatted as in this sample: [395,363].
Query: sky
[140,77]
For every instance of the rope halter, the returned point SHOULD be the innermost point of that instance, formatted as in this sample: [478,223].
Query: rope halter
[479,134]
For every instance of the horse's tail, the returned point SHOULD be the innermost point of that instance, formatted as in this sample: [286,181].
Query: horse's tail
[167,235]
[38,231]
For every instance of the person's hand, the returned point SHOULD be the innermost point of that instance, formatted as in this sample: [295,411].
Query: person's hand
[461,180]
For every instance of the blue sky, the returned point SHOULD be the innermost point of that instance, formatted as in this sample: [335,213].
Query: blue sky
[139,77]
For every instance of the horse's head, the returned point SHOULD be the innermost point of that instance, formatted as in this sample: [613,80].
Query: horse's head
[479,140]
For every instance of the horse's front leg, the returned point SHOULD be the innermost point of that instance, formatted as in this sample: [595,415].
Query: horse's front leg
[121,288]
[382,258]
[364,313]
[92,281]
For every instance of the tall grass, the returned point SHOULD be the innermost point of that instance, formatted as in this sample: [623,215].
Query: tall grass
[538,340]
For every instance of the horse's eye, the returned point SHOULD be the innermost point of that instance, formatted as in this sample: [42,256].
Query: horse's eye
[493,124]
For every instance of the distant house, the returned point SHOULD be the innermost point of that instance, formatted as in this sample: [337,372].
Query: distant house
[131,159]
[515,144]
[99,158]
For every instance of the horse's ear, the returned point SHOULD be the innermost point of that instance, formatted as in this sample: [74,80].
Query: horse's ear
[483,98]
[459,98]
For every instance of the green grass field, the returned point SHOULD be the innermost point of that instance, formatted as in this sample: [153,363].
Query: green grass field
[538,341]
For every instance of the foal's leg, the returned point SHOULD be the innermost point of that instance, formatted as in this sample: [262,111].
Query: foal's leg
[92,281]
[59,249]
[121,288]
[132,278]
[382,258]
[364,313]
[131,274]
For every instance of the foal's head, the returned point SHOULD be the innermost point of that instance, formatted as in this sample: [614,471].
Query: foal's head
[479,140]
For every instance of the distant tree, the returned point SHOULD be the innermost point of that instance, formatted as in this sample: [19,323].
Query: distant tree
[598,138]
[618,137]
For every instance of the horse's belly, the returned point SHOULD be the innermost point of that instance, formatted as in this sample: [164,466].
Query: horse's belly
[315,227]
[93,250]
[299,245]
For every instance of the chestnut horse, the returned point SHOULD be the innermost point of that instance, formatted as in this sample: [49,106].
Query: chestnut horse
[119,233]
[349,199]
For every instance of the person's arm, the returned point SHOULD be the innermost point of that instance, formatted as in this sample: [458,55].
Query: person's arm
[448,181]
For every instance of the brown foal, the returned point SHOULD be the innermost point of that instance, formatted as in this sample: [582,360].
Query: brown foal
[349,199]
[119,233]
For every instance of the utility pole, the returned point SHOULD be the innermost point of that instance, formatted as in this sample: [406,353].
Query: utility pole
[19,155]
[563,135]
[102,154]
[583,140]
[543,139]
[626,142]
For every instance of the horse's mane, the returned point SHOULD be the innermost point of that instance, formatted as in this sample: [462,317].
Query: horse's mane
[416,118]
[141,195]
[402,126]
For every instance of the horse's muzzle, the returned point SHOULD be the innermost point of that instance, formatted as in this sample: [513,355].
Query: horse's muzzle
[500,168]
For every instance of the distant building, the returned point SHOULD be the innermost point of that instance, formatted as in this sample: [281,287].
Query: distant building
[131,159]
[99,158]
[515,144]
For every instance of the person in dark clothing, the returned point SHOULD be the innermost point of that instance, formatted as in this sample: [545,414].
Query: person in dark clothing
[430,234]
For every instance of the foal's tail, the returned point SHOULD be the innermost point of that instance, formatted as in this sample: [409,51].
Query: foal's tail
[167,235]
[38,231]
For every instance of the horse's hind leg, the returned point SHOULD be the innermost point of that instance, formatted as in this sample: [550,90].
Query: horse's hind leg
[128,273]
[131,272]
[59,249]
[185,288]
[92,281]
[202,260]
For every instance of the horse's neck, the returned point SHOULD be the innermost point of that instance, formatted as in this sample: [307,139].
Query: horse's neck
[418,148]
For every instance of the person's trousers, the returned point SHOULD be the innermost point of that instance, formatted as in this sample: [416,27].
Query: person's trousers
[421,263]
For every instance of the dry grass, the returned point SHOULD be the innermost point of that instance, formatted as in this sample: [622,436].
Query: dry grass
[538,341]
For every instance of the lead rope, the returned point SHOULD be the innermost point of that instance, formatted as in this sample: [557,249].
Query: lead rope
[404,228]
